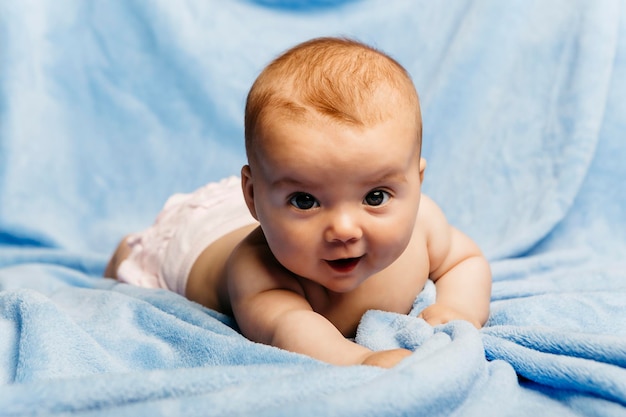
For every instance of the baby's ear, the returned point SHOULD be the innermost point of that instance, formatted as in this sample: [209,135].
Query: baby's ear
[422,168]
[247,186]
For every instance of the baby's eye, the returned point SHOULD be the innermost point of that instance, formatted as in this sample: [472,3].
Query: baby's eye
[376,198]
[303,201]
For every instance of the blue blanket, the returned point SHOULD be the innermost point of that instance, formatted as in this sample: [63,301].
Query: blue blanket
[107,108]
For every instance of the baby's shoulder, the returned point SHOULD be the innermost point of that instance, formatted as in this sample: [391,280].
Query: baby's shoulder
[431,223]
[253,265]
[427,204]
[429,211]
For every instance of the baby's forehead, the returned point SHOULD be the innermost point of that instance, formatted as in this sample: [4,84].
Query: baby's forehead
[315,155]
[271,136]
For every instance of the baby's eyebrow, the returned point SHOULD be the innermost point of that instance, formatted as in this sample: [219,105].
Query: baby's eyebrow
[375,179]
[289,182]
[387,177]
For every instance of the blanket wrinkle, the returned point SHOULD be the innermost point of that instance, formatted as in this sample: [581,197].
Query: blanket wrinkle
[601,348]
[561,371]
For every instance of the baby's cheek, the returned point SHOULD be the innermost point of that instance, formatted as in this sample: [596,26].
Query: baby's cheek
[394,241]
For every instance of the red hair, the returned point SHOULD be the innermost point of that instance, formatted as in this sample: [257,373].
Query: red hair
[346,80]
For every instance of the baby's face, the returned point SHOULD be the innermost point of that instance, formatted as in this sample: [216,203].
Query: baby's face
[337,203]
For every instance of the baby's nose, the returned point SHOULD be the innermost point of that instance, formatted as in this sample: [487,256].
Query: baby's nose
[343,227]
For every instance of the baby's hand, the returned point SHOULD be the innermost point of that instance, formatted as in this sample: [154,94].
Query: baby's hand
[386,358]
[440,314]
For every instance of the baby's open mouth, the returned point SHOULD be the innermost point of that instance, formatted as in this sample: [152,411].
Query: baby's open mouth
[344,264]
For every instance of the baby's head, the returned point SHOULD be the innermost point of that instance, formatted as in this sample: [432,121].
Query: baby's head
[333,138]
[344,80]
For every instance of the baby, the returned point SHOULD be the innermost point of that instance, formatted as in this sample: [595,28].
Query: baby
[331,222]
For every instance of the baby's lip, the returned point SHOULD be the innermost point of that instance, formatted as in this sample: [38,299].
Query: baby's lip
[344,265]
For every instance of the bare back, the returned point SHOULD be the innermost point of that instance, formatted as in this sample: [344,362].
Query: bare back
[207,283]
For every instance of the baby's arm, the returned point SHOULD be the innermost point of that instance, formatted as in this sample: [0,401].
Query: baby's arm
[460,272]
[284,319]
[270,309]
